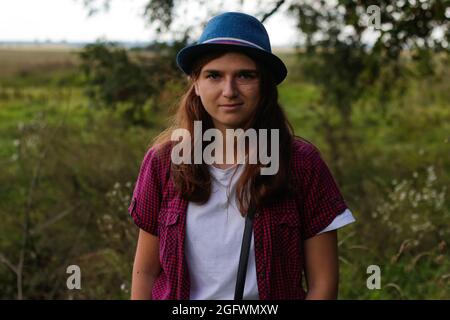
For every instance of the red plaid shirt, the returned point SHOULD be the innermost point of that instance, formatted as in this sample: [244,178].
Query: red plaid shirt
[279,229]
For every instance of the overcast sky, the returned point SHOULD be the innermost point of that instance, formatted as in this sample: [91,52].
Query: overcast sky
[58,20]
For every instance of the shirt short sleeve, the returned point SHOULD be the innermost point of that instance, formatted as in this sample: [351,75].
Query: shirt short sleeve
[322,200]
[147,194]
[340,221]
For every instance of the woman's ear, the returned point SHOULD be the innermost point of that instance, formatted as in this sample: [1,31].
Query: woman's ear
[197,92]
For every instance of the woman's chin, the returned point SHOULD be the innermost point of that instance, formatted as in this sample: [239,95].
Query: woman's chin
[232,124]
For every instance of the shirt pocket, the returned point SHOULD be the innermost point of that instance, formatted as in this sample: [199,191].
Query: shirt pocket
[286,233]
[287,251]
[289,218]
[169,236]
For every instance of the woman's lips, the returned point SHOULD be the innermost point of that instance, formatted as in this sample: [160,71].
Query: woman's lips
[231,106]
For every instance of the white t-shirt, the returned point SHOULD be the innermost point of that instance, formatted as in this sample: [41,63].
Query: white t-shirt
[214,233]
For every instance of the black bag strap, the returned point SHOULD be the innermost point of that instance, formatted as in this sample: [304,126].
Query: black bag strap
[243,259]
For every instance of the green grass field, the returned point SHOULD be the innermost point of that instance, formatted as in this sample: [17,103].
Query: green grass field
[68,169]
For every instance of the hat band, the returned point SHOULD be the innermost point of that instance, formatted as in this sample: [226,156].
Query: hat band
[233,41]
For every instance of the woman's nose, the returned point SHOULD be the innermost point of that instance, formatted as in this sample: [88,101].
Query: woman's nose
[229,88]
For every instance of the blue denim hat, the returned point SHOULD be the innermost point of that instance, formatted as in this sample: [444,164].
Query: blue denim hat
[238,32]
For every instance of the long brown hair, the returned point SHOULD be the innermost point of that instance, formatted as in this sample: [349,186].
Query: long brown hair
[193,181]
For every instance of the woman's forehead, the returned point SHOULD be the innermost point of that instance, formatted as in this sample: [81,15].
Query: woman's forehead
[231,60]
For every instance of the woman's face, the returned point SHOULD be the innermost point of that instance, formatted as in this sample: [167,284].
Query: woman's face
[229,88]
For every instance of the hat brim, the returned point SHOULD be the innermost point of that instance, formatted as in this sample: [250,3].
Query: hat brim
[188,55]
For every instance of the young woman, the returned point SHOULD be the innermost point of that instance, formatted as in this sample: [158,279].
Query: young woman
[191,215]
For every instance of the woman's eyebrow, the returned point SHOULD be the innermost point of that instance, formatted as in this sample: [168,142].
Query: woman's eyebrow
[211,71]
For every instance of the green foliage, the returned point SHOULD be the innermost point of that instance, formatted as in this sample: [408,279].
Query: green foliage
[338,60]
[410,244]
[135,84]
[112,77]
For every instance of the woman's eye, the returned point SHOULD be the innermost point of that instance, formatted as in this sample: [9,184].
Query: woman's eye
[246,76]
[212,76]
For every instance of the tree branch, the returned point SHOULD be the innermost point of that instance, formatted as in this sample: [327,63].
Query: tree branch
[52,220]
[275,9]
[8,263]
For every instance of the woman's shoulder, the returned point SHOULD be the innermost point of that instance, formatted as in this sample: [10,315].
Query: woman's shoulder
[306,157]
[161,151]
[157,157]
[303,149]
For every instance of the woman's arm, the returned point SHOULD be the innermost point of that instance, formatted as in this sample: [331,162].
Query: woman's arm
[322,266]
[146,266]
